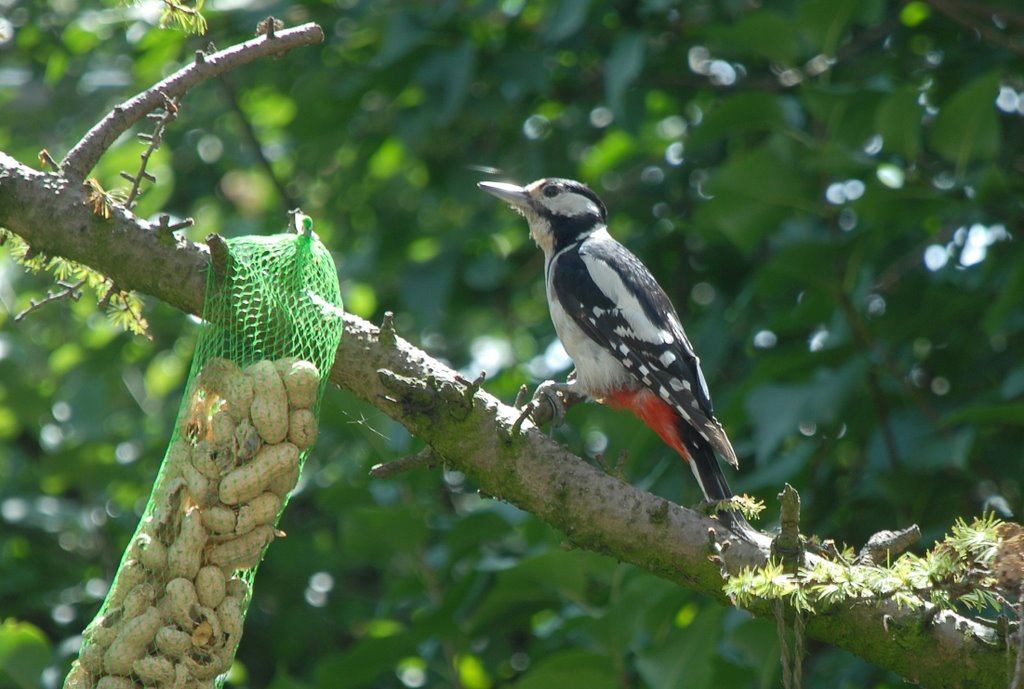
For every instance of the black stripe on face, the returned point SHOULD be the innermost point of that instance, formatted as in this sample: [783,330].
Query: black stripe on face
[548,191]
[571,208]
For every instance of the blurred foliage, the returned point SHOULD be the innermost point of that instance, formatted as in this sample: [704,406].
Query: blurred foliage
[829,189]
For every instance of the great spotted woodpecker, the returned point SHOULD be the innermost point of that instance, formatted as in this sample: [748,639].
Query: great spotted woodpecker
[621,330]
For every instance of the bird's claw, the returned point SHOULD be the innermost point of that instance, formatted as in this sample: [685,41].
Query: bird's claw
[548,404]
[550,392]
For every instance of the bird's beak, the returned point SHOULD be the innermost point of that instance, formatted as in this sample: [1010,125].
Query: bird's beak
[511,193]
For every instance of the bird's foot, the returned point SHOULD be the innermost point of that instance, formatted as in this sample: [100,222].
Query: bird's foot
[549,403]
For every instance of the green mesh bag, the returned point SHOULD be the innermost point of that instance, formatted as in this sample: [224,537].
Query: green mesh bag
[174,614]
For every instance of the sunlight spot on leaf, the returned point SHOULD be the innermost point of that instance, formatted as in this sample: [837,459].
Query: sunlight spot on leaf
[890,175]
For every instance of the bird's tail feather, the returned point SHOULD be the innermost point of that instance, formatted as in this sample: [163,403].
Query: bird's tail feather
[713,484]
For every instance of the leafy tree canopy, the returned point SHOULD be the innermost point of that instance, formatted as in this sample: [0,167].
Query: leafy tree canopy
[828,189]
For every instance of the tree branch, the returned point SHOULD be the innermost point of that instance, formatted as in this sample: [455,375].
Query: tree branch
[87,152]
[68,290]
[473,433]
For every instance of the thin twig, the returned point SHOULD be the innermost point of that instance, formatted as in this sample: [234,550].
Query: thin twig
[165,229]
[521,396]
[141,324]
[153,140]
[111,291]
[882,412]
[177,7]
[955,11]
[71,290]
[889,277]
[885,545]
[386,335]
[87,152]
[990,11]
[47,161]
[250,136]
[424,458]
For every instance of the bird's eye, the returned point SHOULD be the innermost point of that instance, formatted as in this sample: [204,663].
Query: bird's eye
[551,191]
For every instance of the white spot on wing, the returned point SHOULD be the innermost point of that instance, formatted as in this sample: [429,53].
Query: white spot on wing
[663,391]
[700,379]
[696,474]
[679,385]
[624,349]
[677,327]
[667,357]
[644,371]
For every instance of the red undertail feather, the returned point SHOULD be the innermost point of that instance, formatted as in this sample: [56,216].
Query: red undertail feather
[697,451]
[654,412]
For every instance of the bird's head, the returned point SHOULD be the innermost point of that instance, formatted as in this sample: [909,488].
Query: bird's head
[559,211]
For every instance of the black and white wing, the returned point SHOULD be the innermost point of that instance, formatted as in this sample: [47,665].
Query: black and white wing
[615,300]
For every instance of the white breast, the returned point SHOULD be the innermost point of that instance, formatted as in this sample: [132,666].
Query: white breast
[597,370]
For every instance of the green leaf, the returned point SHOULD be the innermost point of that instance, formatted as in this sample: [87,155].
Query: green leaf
[639,607]
[282,680]
[571,670]
[919,446]
[369,531]
[403,35]
[683,659]
[386,162]
[615,147]
[755,645]
[623,67]
[269,109]
[992,414]
[898,120]
[365,661]
[472,673]
[24,654]
[1013,383]
[735,115]
[766,33]
[913,13]
[778,409]
[823,22]
[967,127]
[566,19]
[460,63]
[752,193]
